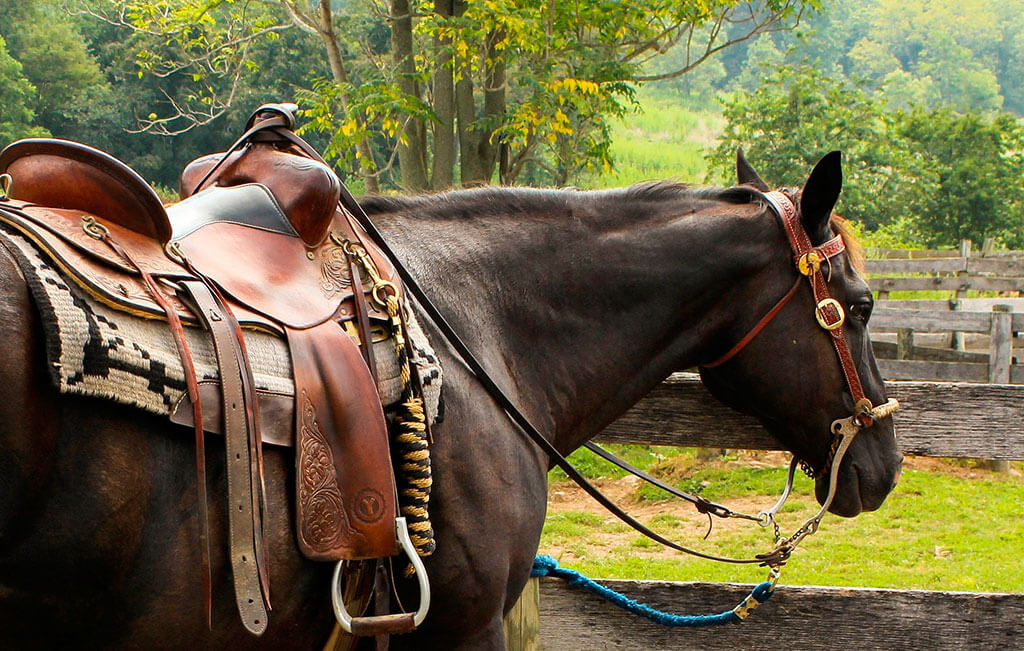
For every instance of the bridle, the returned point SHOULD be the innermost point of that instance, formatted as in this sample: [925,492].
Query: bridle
[828,312]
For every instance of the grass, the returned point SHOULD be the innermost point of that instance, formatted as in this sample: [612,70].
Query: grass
[665,141]
[939,530]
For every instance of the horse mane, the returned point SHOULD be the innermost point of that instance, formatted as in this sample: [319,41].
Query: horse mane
[854,249]
[486,200]
[489,200]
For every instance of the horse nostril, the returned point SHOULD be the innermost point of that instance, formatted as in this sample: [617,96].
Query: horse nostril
[896,476]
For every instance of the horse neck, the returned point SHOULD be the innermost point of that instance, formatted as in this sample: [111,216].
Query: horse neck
[578,309]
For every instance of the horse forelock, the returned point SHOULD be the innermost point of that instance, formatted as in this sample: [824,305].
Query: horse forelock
[854,249]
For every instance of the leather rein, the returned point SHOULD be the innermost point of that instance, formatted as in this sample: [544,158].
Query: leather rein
[830,316]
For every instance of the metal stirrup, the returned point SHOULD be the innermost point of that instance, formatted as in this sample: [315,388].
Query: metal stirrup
[345,620]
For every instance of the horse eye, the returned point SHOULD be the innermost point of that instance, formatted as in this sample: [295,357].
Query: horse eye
[861,310]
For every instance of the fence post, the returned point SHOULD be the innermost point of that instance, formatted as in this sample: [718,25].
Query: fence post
[957,338]
[904,343]
[522,624]
[1000,358]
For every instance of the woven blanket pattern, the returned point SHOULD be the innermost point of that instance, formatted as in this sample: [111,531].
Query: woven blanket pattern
[94,350]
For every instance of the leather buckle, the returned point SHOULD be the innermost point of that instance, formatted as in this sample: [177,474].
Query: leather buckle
[829,319]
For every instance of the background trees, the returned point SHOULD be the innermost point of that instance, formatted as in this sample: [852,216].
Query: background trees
[924,98]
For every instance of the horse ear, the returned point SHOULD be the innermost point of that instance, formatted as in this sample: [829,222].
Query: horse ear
[820,195]
[746,174]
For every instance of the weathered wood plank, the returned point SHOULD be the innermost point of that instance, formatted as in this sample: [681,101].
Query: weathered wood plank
[886,350]
[797,617]
[945,305]
[522,623]
[938,420]
[946,283]
[917,266]
[934,371]
[887,319]
[996,266]
[907,254]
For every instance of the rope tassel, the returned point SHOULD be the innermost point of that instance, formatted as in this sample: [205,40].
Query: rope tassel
[411,448]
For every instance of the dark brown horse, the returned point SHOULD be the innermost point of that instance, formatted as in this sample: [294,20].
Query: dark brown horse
[577,302]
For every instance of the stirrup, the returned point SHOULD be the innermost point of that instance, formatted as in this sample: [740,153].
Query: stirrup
[380,624]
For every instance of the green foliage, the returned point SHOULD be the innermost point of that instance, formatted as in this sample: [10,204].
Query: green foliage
[17,95]
[978,161]
[801,113]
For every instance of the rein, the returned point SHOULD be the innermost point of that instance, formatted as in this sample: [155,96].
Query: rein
[829,314]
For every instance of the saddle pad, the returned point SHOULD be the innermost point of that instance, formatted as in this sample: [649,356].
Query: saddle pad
[94,350]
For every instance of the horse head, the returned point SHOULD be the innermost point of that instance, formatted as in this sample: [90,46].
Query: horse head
[786,363]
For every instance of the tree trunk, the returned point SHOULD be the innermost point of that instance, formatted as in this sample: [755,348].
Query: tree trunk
[473,172]
[368,169]
[494,103]
[443,174]
[412,153]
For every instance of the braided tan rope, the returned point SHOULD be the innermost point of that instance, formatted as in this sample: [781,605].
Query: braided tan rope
[410,441]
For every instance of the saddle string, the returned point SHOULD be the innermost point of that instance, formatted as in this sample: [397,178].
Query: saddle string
[100,232]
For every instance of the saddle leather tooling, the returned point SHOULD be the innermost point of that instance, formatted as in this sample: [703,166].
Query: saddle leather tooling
[259,240]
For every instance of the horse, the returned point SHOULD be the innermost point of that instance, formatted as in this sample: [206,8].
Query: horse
[576,302]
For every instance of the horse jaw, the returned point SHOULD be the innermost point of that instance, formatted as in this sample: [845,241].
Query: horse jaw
[867,474]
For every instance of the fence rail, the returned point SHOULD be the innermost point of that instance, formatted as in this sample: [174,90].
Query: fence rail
[947,420]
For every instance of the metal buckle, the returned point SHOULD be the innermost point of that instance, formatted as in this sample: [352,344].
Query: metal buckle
[5,186]
[823,321]
[402,531]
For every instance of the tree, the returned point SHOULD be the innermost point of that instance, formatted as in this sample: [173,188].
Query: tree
[802,112]
[17,94]
[978,163]
[460,91]
[54,58]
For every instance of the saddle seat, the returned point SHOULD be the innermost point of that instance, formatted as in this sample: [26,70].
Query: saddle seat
[259,239]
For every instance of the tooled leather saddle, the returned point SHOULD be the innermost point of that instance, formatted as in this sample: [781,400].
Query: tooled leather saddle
[258,240]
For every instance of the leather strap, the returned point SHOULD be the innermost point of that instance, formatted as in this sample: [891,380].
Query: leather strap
[192,388]
[832,311]
[243,517]
[346,505]
[362,318]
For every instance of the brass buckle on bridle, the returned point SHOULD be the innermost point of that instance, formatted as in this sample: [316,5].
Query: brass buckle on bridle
[823,321]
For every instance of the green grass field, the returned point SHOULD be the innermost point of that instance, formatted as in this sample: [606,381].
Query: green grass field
[665,141]
[948,525]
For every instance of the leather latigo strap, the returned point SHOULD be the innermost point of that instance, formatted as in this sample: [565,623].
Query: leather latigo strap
[346,501]
[830,312]
[245,521]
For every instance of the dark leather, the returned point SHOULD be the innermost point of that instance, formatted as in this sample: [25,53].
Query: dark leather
[307,190]
[346,505]
[73,176]
[251,204]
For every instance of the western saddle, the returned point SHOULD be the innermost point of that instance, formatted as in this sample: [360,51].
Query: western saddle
[262,238]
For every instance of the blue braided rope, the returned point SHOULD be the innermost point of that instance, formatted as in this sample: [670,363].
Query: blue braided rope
[548,566]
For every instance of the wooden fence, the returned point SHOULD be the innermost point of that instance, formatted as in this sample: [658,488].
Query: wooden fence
[947,420]
[956,339]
